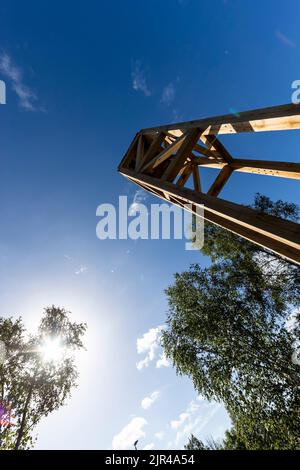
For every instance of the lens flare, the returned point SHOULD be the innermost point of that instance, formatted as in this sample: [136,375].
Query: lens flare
[51,349]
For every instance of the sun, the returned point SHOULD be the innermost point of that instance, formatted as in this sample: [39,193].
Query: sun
[51,349]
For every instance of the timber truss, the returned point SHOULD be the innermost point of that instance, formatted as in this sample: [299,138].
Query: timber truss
[162,160]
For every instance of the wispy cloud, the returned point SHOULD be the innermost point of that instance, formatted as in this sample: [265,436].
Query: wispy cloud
[168,94]
[81,270]
[147,402]
[133,431]
[149,345]
[194,419]
[176,115]
[176,423]
[139,81]
[27,98]
[284,39]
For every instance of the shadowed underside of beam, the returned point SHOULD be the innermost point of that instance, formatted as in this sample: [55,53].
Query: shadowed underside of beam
[163,159]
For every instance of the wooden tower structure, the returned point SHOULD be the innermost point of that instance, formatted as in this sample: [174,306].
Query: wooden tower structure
[162,159]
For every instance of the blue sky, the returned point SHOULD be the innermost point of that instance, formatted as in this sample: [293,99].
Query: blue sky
[82,78]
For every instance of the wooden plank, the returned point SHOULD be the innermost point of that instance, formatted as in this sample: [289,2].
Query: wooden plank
[215,143]
[156,192]
[278,235]
[165,154]
[220,181]
[177,162]
[206,151]
[153,149]
[290,254]
[130,154]
[196,179]
[259,167]
[184,175]
[140,151]
[282,117]
[271,168]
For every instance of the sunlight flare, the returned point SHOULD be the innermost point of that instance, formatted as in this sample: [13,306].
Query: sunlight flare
[51,349]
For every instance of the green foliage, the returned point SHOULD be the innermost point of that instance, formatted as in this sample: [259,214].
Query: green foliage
[226,330]
[196,444]
[32,386]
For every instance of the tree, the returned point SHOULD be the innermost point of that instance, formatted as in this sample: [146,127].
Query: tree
[195,444]
[226,330]
[38,373]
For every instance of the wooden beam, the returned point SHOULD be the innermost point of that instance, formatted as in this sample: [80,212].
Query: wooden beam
[196,179]
[259,167]
[250,235]
[271,168]
[164,154]
[162,142]
[278,235]
[206,151]
[130,154]
[153,149]
[139,152]
[184,176]
[282,117]
[215,143]
[220,181]
[177,162]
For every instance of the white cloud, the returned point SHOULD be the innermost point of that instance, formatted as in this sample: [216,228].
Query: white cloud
[163,361]
[139,197]
[81,270]
[129,434]
[149,446]
[175,424]
[139,82]
[159,435]
[194,419]
[147,402]
[149,344]
[26,96]
[197,423]
[168,94]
